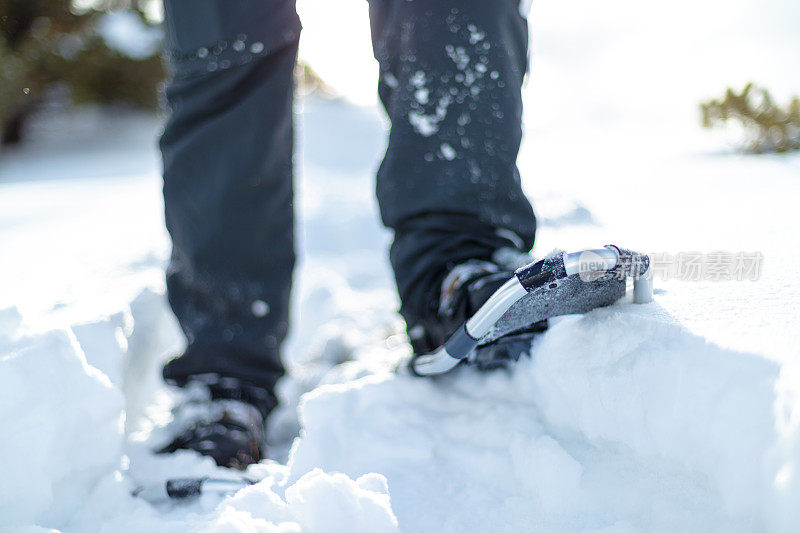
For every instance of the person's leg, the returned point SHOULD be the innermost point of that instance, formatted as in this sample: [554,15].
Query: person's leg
[227,154]
[451,76]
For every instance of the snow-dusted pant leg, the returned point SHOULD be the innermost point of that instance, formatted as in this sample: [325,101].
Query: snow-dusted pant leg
[451,75]
[227,154]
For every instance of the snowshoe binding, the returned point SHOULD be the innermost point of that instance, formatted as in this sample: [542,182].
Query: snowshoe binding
[488,316]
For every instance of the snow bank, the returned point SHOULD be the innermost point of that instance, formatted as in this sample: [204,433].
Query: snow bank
[623,419]
[62,425]
[625,378]
[104,344]
[318,502]
[66,463]
[784,459]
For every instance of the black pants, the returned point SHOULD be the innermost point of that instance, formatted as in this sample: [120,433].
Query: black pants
[451,74]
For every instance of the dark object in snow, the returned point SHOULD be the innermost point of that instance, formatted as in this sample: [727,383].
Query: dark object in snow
[182,489]
[767,126]
[559,284]
[221,418]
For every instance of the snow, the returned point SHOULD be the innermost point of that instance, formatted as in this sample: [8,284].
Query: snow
[49,463]
[458,55]
[678,415]
[425,125]
[448,152]
[606,413]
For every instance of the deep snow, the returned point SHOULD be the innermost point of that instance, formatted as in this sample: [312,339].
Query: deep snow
[679,415]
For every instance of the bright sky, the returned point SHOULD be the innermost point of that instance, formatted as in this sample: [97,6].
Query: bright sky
[709,44]
[336,43]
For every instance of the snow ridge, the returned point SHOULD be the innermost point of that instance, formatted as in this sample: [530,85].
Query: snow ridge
[622,420]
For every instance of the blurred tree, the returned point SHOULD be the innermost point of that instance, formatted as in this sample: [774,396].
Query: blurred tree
[767,126]
[308,82]
[46,43]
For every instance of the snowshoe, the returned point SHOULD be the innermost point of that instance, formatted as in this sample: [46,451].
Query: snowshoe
[507,308]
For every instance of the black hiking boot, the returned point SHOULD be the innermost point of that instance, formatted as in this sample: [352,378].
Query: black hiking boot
[222,418]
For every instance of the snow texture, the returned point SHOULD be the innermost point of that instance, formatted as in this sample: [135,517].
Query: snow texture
[678,415]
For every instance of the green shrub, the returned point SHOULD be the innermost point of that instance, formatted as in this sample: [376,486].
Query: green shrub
[44,43]
[767,127]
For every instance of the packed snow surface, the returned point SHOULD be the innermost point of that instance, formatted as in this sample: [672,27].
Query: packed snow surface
[678,415]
